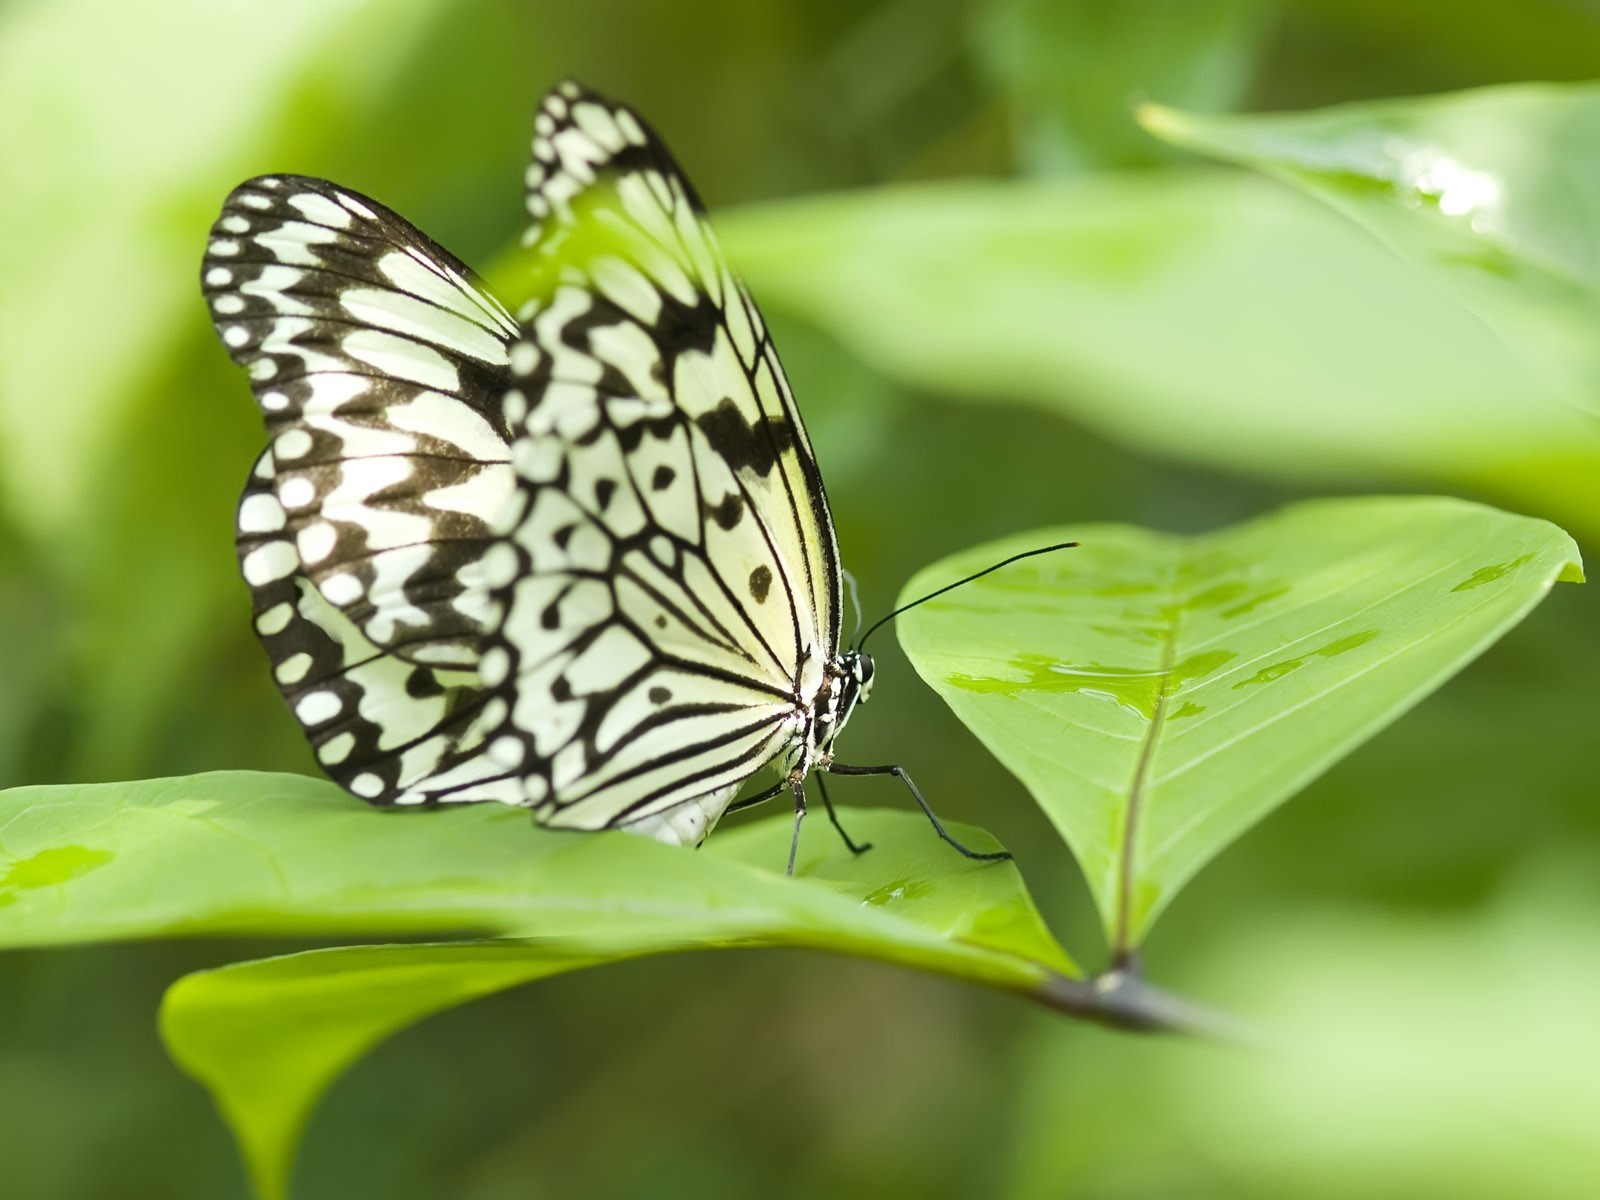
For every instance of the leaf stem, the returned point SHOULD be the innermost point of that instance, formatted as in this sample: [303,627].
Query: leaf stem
[1120,999]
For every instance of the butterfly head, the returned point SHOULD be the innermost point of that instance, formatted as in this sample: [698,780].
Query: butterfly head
[857,666]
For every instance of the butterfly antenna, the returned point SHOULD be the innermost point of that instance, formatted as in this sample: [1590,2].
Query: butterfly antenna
[949,587]
[855,601]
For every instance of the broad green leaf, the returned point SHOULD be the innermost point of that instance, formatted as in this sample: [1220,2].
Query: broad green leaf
[1069,70]
[268,1038]
[242,853]
[1490,193]
[1208,316]
[1160,694]
[248,853]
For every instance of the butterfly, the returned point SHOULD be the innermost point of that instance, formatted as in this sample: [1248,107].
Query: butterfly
[578,559]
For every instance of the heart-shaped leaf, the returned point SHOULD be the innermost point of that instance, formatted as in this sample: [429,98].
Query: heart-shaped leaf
[1490,193]
[1161,694]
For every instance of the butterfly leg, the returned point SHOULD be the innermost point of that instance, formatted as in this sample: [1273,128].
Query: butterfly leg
[900,773]
[760,798]
[827,803]
[797,785]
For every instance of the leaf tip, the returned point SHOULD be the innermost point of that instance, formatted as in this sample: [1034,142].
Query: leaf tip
[1158,119]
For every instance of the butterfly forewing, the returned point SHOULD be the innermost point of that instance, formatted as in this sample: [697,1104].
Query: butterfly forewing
[670,587]
[379,363]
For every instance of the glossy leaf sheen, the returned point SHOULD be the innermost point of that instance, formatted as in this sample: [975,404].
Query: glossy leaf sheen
[1491,193]
[1161,694]
[258,854]
[1206,315]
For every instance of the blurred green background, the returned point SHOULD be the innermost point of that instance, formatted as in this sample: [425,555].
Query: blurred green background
[1200,346]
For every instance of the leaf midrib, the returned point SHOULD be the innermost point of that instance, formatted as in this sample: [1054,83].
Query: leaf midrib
[1121,942]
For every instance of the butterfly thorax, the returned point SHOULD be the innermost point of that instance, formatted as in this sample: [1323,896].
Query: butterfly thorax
[846,682]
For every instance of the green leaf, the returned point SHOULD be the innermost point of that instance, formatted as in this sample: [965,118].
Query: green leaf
[242,853]
[1160,694]
[1209,316]
[248,853]
[267,1038]
[1490,193]
[1070,69]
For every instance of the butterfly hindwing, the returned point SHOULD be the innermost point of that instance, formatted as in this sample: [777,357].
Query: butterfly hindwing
[671,584]
[391,731]
[379,363]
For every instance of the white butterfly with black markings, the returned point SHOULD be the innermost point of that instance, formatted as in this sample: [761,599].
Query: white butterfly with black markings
[579,559]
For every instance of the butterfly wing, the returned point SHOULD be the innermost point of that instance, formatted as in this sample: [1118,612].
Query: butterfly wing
[379,363]
[391,731]
[670,582]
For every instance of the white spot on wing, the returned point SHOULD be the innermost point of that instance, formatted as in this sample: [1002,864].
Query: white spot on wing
[292,443]
[294,668]
[316,707]
[321,209]
[343,589]
[336,749]
[269,563]
[316,542]
[274,620]
[296,492]
[260,513]
[367,785]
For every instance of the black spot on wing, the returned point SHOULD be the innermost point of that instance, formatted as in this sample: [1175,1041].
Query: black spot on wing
[423,683]
[727,511]
[760,583]
[741,444]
